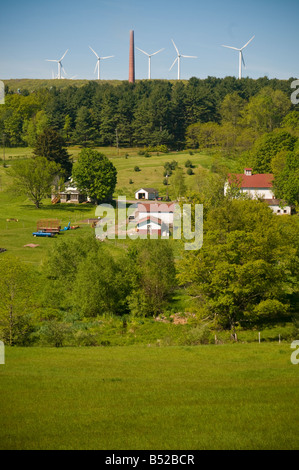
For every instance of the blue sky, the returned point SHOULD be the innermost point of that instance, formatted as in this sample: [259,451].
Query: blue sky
[34,30]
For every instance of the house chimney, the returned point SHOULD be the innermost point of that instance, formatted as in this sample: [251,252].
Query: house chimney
[248,171]
[132,59]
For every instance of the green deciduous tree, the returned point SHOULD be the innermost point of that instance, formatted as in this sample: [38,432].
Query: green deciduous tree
[34,178]
[17,300]
[285,167]
[101,286]
[61,269]
[231,108]
[178,186]
[268,146]
[265,110]
[153,271]
[247,269]
[95,175]
[33,127]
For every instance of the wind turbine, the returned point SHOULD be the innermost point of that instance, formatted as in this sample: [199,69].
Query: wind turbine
[241,58]
[60,66]
[149,59]
[98,61]
[178,58]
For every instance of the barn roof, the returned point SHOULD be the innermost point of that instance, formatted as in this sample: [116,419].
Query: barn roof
[148,190]
[155,207]
[150,219]
[262,180]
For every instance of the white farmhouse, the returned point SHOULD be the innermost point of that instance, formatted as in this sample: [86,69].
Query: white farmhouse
[258,186]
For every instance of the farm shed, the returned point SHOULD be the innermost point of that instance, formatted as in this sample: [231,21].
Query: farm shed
[147,194]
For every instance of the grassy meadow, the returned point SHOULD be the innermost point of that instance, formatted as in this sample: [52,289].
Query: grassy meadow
[236,396]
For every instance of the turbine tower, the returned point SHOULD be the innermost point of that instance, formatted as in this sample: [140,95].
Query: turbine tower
[98,61]
[59,62]
[132,59]
[178,58]
[241,58]
[149,59]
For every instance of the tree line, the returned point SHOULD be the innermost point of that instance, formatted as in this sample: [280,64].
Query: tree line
[149,112]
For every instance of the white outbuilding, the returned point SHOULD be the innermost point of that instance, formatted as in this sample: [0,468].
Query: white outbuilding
[146,194]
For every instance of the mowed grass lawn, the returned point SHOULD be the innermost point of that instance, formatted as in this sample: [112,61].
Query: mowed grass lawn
[236,396]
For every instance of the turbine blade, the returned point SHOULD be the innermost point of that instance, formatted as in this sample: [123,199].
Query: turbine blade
[230,47]
[243,59]
[63,55]
[173,63]
[51,60]
[142,51]
[189,56]
[248,42]
[158,51]
[94,52]
[175,47]
[108,57]
[97,65]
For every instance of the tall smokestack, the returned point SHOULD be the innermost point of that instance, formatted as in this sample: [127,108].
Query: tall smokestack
[132,59]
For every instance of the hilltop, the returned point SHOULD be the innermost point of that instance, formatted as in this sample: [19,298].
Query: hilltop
[32,84]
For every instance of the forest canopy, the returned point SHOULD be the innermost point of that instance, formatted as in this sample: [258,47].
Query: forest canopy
[226,112]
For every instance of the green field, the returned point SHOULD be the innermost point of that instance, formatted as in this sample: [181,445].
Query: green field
[151,168]
[236,396]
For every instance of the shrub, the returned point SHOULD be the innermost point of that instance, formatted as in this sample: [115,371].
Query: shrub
[197,335]
[188,164]
[54,333]
[85,338]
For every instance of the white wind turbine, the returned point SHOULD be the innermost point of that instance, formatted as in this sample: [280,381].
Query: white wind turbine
[149,59]
[60,66]
[241,58]
[98,61]
[178,58]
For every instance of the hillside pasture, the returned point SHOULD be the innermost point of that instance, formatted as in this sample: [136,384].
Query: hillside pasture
[14,235]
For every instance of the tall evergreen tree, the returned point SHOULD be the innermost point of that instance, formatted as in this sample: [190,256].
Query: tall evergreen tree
[51,145]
